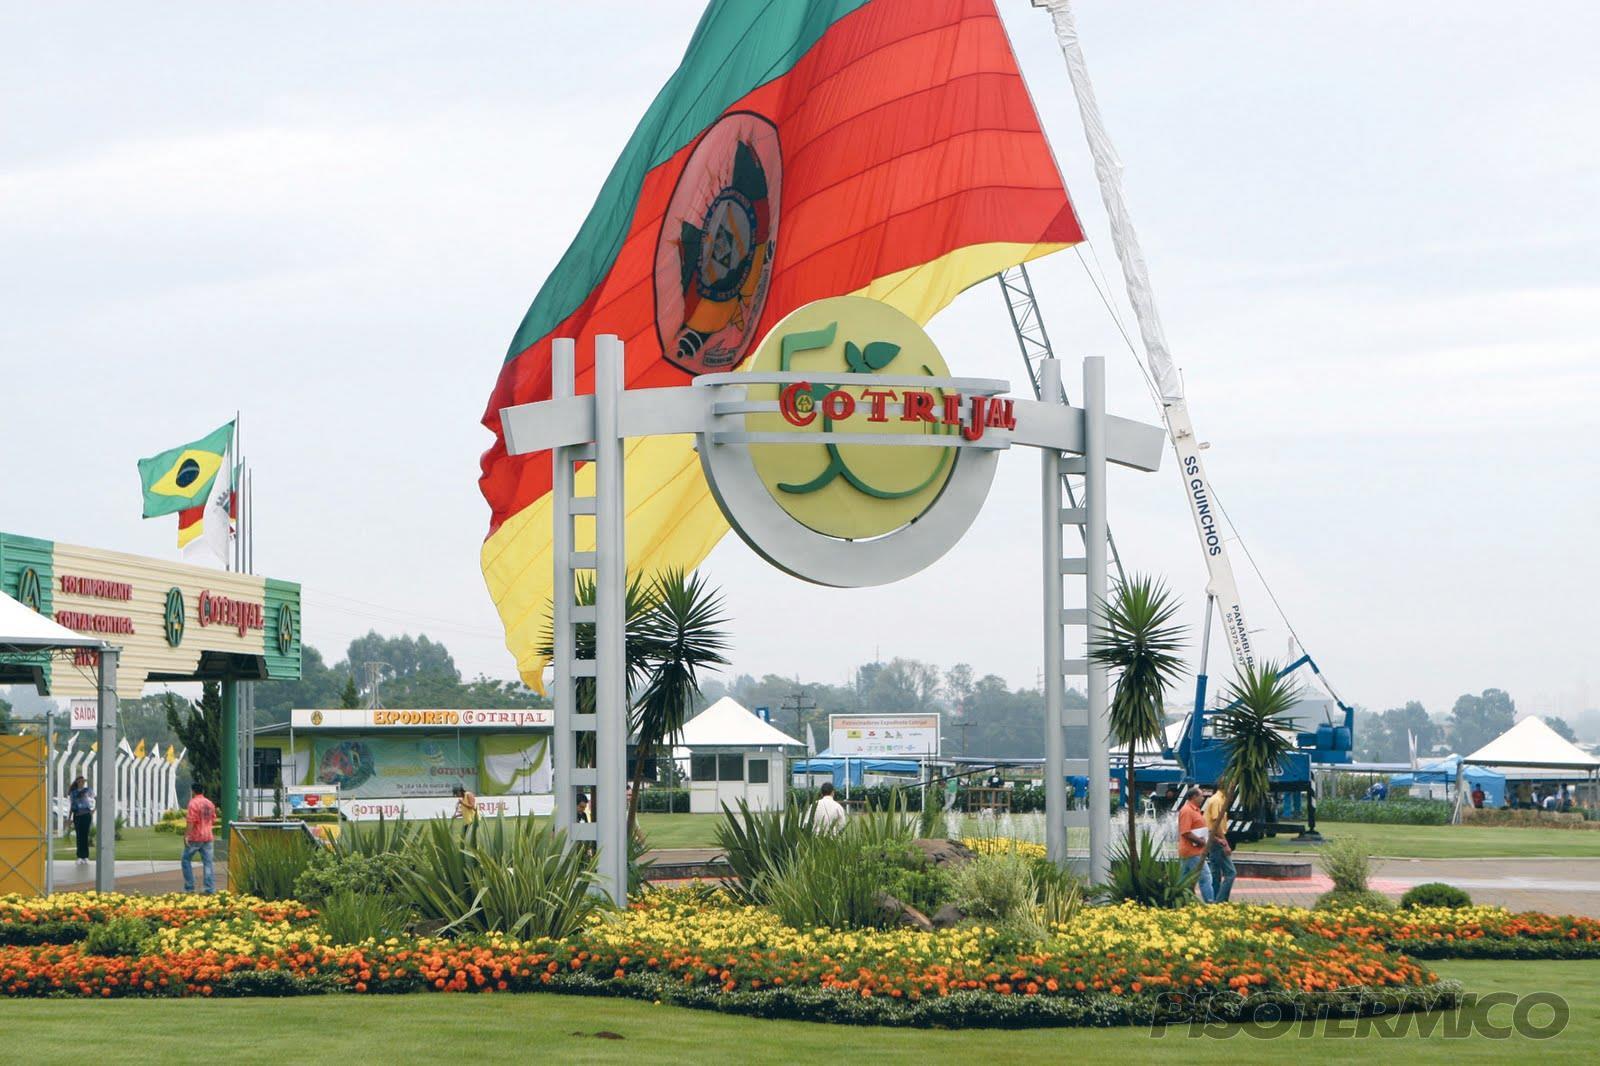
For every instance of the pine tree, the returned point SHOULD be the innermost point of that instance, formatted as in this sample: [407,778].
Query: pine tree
[199,729]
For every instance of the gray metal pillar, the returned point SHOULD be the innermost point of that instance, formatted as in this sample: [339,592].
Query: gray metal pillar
[611,584]
[50,800]
[1055,741]
[1094,480]
[564,740]
[105,869]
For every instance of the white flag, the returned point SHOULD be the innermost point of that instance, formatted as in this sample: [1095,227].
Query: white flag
[213,546]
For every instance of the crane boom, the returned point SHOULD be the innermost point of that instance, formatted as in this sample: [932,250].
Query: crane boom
[1221,584]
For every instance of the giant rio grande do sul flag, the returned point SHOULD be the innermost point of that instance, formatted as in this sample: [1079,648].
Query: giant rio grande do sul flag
[802,149]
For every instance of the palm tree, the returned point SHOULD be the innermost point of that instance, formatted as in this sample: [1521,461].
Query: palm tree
[1255,732]
[682,634]
[1139,640]
[673,629]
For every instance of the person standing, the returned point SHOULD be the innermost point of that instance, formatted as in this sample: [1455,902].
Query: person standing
[1192,841]
[828,815]
[1477,796]
[198,839]
[466,805]
[1219,853]
[583,809]
[80,804]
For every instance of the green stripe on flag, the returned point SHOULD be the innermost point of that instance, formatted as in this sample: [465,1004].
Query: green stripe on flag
[739,45]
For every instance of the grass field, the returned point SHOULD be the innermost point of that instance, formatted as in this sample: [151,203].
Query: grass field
[521,1028]
[1451,841]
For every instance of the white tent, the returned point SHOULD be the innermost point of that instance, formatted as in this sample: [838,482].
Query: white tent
[1531,745]
[733,755]
[1531,742]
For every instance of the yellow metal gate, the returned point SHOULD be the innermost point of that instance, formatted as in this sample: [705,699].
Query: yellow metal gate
[24,820]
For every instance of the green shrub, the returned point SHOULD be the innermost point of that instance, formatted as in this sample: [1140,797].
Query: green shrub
[352,917]
[486,878]
[1144,877]
[826,882]
[886,826]
[1434,894]
[905,873]
[1059,892]
[932,823]
[1000,889]
[1354,898]
[119,936]
[1392,811]
[176,828]
[1348,864]
[664,801]
[330,874]
[758,844]
[267,864]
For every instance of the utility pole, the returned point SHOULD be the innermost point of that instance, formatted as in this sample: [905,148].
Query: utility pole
[374,679]
[798,702]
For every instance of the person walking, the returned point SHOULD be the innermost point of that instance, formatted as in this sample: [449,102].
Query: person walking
[198,839]
[1219,853]
[1192,835]
[828,815]
[80,804]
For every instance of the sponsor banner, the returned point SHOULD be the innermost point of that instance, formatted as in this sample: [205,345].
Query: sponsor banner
[394,766]
[883,734]
[374,718]
[85,712]
[312,799]
[370,810]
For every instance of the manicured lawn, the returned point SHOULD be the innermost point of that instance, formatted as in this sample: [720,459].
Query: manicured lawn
[1451,841]
[523,1028]
[143,843]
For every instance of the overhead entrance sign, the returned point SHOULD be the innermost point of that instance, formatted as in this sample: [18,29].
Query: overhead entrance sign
[849,457]
[883,734]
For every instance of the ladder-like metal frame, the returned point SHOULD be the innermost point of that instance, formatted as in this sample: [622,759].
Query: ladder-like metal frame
[1088,749]
[606,781]
[1034,342]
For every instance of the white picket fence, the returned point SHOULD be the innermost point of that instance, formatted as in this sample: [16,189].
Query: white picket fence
[145,786]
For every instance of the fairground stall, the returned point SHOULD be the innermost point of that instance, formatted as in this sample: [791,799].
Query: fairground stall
[732,755]
[406,763]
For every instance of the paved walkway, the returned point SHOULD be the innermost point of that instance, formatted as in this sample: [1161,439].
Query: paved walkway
[1558,886]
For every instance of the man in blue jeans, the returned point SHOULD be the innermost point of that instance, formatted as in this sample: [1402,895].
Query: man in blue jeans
[1219,853]
[198,839]
[1192,841]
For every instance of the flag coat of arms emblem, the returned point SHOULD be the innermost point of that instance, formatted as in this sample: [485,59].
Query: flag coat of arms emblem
[802,149]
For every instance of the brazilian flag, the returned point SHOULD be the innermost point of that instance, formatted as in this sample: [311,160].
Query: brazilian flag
[180,478]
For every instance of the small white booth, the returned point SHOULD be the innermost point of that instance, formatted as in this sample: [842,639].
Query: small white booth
[732,755]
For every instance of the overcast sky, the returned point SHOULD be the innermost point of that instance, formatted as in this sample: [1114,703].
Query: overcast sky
[1372,229]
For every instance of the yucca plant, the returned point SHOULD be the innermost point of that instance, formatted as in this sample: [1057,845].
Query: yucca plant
[522,881]
[758,844]
[1140,641]
[1255,732]
[827,882]
[885,826]
[1142,875]
[386,836]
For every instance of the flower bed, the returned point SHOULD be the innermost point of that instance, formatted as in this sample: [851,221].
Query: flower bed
[66,917]
[1114,965]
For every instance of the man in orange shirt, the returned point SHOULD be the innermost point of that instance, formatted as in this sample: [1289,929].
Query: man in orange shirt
[1192,840]
[197,839]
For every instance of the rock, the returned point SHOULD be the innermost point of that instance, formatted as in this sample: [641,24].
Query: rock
[948,915]
[944,852]
[903,915]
